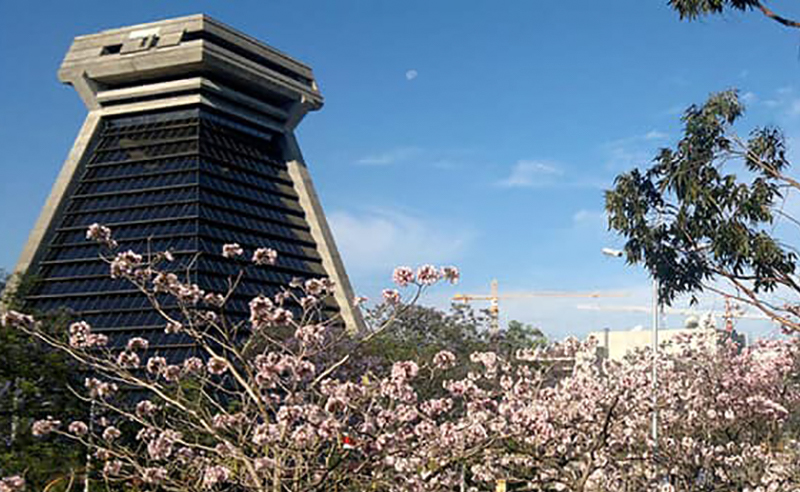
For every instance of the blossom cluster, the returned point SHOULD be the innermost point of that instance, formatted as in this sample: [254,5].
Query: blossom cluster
[271,403]
[12,484]
[426,275]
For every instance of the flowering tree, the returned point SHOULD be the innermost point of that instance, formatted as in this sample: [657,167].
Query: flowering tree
[271,404]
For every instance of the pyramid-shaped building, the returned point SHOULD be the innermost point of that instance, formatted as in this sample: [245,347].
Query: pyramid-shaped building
[188,145]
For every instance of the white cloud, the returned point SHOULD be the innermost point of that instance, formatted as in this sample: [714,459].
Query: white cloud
[390,156]
[588,217]
[678,80]
[530,174]
[655,135]
[375,241]
[794,108]
[636,151]
[411,74]
[674,110]
[749,97]
[784,102]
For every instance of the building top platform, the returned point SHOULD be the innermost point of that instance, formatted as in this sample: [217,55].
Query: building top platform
[185,47]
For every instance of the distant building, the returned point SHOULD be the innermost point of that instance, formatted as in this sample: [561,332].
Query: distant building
[616,344]
[188,144]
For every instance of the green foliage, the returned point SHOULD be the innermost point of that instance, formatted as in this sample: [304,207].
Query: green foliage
[689,218]
[692,9]
[518,336]
[420,332]
[34,382]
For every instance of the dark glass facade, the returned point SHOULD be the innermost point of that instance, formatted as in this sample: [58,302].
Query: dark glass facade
[184,180]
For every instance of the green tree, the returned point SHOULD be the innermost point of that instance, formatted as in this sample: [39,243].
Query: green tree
[706,210]
[420,332]
[34,383]
[694,9]
[518,336]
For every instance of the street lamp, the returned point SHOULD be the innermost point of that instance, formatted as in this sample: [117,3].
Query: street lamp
[654,338]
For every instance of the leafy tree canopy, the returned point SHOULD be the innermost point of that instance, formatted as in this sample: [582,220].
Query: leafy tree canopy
[34,382]
[706,210]
[693,9]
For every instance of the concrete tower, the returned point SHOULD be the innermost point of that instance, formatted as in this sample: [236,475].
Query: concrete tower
[188,144]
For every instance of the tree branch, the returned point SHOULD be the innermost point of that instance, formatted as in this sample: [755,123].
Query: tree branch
[777,18]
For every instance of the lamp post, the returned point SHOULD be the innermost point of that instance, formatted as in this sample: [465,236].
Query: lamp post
[654,340]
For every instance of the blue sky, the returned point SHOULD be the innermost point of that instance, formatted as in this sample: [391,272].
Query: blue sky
[479,133]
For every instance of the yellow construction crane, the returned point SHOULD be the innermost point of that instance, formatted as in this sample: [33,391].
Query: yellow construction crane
[494,299]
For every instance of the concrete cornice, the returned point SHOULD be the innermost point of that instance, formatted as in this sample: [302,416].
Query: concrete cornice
[186,48]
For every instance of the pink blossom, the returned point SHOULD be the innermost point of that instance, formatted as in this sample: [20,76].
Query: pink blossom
[184,455]
[261,311]
[173,327]
[192,365]
[405,370]
[434,408]
[403,276]
[111,433]
[125,264]
[172,373]
[265,256]
[214,475]
[488,359]
[99,389]
[266,434]
[232,250]
[97,340]
[43,427]
[146,408]
[100,234]
[128,360]
[161,447]
[427,275]
[13,483]
[154,475]
[264,464]
[79,333]
[444,360]
[112,468]
[406,413]
[190,294]
[78,428]
[311,334]
[391,296]
[306,302]
[451,274]
[166,282]
[146,434]
[17,320]
[314,287]
[282,316]
[217,366]
[212,299]
[156,365]
[102,454]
